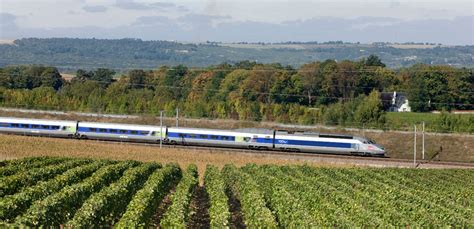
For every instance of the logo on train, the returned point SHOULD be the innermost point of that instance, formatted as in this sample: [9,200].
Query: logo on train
[283,141]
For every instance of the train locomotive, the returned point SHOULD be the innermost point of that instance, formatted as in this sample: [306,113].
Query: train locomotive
[260,139]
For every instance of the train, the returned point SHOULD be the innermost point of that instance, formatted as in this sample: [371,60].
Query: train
[258,139]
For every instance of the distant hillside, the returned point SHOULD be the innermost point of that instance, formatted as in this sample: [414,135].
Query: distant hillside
[123,54]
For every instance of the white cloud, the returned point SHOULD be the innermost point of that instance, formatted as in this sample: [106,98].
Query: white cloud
[94,9]
[136,5]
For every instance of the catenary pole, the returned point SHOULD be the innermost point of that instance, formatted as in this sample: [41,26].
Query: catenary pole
[414,148]
[177,117]
[161,129]
[423,142]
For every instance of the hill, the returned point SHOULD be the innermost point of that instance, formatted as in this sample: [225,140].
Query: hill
[123,54]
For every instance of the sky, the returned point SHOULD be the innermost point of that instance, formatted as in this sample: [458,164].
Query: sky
[435,21]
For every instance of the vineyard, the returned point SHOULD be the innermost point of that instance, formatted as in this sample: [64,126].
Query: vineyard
[85,193]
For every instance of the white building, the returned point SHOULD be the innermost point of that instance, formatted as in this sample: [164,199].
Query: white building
[395,102]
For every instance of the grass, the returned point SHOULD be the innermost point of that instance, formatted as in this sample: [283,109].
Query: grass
[406,120]
[411,117]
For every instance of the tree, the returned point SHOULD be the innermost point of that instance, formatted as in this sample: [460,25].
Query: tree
[374,60]
[50,77]
[370,110]
[104,76]
[136,79]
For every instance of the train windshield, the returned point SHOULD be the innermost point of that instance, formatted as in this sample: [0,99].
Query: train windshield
[368,141]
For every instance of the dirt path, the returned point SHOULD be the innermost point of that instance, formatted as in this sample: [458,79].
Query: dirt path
[236,217]
[199,209]
[165,203]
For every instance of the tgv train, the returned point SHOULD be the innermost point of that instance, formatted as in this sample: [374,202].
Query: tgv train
[261,139]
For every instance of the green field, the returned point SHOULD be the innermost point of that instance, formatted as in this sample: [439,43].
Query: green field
[434,122]
[85,193]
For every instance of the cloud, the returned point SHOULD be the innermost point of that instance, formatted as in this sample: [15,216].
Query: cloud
[134,5]
[182,8]
[130,5]
[162,4]
[153,21]
[94,9]
[7,23]
[201,27]
[394,4]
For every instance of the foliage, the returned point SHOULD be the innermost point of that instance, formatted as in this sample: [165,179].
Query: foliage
[362,197]
[215,187]
[370,110]
[146,200]
[336,93]
[176,216]
[253,207]
[107,205]
[13,205]
[96,194]
[12,184]
[71,54]
[12,167]
[287,207]
[58,208]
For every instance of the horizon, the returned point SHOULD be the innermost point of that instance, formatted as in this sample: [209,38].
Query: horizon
[242,21]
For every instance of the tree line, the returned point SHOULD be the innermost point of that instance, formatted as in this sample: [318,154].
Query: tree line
[329,92]
[126,54]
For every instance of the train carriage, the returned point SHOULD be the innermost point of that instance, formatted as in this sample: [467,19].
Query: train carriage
[221,138]
[121,132]
[38,127]
[326,143]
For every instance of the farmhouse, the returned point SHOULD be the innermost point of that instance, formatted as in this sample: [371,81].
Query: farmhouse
[395,102]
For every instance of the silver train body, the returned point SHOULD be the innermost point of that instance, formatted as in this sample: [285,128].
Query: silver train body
[244,138]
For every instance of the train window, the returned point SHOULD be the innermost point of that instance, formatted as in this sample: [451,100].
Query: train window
[203,136]
[144,132]
[35,126]
[55,127]
[102,130]
[192,136]
[247,139]
[93,129]
[15,125]
[123,131]
[225,138]
[24,125]
[181,135]
[232,138]
[4,125]
[133,132]
[214,137]
[113,131]
[46,127]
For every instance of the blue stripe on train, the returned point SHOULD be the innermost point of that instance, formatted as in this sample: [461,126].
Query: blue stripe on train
[313,143]
[201,136]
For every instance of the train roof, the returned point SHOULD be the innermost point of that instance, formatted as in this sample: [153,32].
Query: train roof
[214,131]
[255,130]
[38,121]
[118,125]
[315,134]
